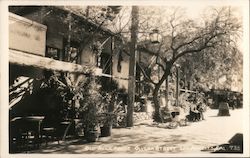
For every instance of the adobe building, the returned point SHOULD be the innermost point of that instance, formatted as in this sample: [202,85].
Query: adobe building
[47,38]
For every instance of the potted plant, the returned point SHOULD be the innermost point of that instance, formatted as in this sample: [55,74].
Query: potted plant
[106,122]
[90,109]
[110,108]
[70,93]
[91,124]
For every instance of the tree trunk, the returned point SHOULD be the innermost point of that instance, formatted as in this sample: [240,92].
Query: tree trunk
[157,114]
[166,92]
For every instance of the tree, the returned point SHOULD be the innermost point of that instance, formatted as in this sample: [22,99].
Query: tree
[183,37]
[210,68]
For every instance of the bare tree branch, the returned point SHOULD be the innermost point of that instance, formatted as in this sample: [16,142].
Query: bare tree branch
[147,78]
[161,65]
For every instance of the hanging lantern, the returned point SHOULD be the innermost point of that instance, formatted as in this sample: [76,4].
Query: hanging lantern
[155,37]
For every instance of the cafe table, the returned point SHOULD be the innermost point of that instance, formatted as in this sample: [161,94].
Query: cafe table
[30,125]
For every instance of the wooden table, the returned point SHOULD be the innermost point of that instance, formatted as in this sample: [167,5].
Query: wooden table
[36,120]
[28,125]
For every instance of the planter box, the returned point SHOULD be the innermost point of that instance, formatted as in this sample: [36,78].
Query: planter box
[26,35]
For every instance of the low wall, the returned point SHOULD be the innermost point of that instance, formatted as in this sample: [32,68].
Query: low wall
[141,116]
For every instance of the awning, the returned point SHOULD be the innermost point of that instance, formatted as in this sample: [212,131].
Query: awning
[26,59]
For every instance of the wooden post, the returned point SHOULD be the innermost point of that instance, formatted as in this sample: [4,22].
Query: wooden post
[67,53]
[132,66]
[177,85]
[111,56]
[139,79]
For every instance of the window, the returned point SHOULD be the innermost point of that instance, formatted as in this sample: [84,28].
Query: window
[120,59]
[106,63]
[52,52]
[71,53]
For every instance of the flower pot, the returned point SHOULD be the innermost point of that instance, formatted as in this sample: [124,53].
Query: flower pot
[92,136]
[106,131]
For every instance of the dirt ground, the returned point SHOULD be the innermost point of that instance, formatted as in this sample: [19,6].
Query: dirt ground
[147,138]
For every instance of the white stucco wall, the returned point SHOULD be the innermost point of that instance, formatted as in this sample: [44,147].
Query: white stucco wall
[124,70]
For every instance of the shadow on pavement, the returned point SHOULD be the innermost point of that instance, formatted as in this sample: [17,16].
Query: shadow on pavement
[130,144]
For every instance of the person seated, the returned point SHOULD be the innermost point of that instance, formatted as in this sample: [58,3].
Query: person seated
[201,107]
[194,113]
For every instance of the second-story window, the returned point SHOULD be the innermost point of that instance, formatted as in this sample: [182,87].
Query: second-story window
[73,55]
[52,53]
[106,63]
[71,52]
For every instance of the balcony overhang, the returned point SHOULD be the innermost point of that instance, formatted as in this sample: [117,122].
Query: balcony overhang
[25,59]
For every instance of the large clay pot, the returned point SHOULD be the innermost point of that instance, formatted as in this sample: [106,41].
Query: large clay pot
[223,109]
[106,131]
[92,136]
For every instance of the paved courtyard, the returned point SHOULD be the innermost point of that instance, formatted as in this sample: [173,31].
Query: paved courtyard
[147,138]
